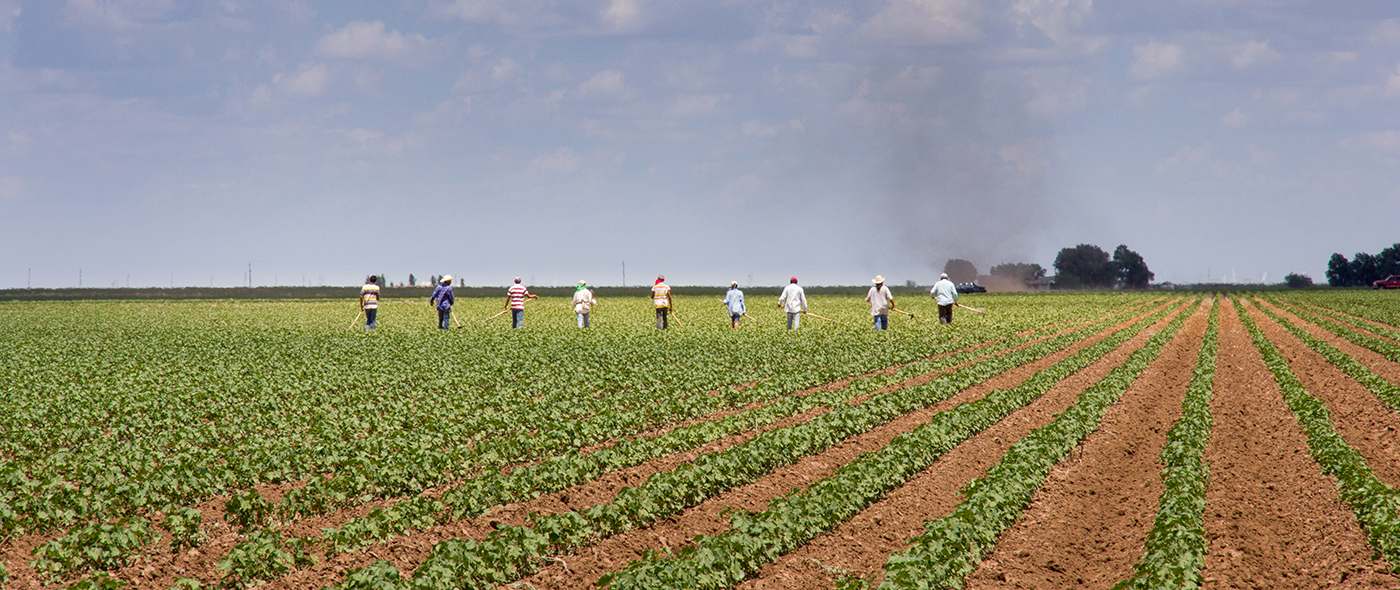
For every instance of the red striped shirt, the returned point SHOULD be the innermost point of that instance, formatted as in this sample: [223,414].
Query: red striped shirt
[517,296]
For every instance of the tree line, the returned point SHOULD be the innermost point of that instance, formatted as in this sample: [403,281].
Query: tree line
[1085,266]
[1363,268]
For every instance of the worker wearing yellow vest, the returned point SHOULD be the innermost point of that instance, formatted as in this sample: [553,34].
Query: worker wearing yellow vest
[661,299]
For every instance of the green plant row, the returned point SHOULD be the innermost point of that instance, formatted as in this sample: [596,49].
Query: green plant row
[1385,390]
[757,539]
[478,495]
[1376,504]
[513,552]
[1176,545]
[1376,306]
[1326,321]
[94,546]
[1350,320]
[952,546]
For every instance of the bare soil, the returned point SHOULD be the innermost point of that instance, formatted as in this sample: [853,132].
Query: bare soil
[1272,518]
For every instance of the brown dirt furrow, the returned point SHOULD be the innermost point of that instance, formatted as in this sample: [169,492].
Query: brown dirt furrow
[1272,519]
[1368,331]
[1088,524]
[1363,420]
[1377,363]
[710,517]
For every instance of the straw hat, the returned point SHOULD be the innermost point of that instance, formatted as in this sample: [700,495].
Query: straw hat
[446,279]
[879,279]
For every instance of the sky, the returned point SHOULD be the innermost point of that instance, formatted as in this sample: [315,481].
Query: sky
[177,142]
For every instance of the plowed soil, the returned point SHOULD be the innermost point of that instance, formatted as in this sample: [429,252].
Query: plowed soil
[1272,518]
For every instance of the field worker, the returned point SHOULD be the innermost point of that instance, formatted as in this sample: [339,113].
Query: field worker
[515,302]
[661,300]
[794,302]
[443,299]
[881,300]
[945,294]
[734,300]
[583,303]
[369,300]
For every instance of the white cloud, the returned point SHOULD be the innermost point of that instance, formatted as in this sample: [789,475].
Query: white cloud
[368,40]
[1386,32]
[562,160]
[1153,60]
[623,15]
[1026,155]
[19,140]
[603,84]
[923,22]
[759,129]
[687,106]
[310,81]
[1392,86]
[1233,119]
[1245,55]
[504,70]
[1384,141]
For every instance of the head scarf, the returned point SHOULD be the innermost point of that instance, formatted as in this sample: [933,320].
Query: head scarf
[581,286]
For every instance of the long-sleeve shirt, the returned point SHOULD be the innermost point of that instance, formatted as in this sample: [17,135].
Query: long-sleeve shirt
[734,300]
[442,295]
[583,301]
[793,299]
[944,292]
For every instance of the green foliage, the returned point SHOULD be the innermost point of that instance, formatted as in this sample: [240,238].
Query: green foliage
[1176,545]
[247,510]
[187,584]
[960,271]
[1132,269]
[264,555]
[94,546]
[1363,268]
[952,546]
[1084,266]
[1297,281]
[1020,271]
[1377,505]
[98,582]
[184,524]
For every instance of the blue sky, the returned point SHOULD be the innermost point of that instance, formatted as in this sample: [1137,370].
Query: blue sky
[174,141]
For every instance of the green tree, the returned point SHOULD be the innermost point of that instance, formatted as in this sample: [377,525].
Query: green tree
[1339,271]
[1297,281]
[1131,268]
[960,271]
[412,280]
[1019,270]
[1084,266]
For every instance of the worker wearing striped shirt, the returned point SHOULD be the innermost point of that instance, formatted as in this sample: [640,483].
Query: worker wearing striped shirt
[369,300]
[515,302]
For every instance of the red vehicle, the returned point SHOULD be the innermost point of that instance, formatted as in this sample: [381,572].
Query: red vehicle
[1390,282]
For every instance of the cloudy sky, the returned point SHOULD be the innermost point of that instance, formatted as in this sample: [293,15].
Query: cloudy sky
[180,141]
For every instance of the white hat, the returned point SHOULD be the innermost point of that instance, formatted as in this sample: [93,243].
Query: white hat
[446,279]
[879,279]
[943,276]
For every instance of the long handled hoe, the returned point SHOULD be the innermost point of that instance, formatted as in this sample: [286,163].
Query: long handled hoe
[981,311]
[357,318]
[818,317]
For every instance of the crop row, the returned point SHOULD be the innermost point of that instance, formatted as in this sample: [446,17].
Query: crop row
[1376,504]
[952,546]
[1176,545]
[144,414]
[1345,327]
[512,552]
[1385,390]
[757,539]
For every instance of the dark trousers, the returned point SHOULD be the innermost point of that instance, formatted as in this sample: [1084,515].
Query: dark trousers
[945,314]
[882,321]
[517,318]
[369,318]
[444,315]
[661,321]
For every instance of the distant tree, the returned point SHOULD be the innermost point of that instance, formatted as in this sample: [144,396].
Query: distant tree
[1297,281]
[960,271]
[1019,270]
[1084,266]
[1339,271]
[1364,269]
[412,281]
[1131,268]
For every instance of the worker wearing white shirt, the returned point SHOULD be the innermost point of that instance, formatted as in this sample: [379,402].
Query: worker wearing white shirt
[945,294]
[794,302]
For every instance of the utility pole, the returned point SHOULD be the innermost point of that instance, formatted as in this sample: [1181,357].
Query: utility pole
[624,273]
[80,278]
[250,275]
[29,284]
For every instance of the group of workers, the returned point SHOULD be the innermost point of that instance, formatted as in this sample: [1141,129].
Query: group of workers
[793,300]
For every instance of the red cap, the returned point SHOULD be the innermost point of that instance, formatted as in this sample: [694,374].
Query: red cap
[792,280]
